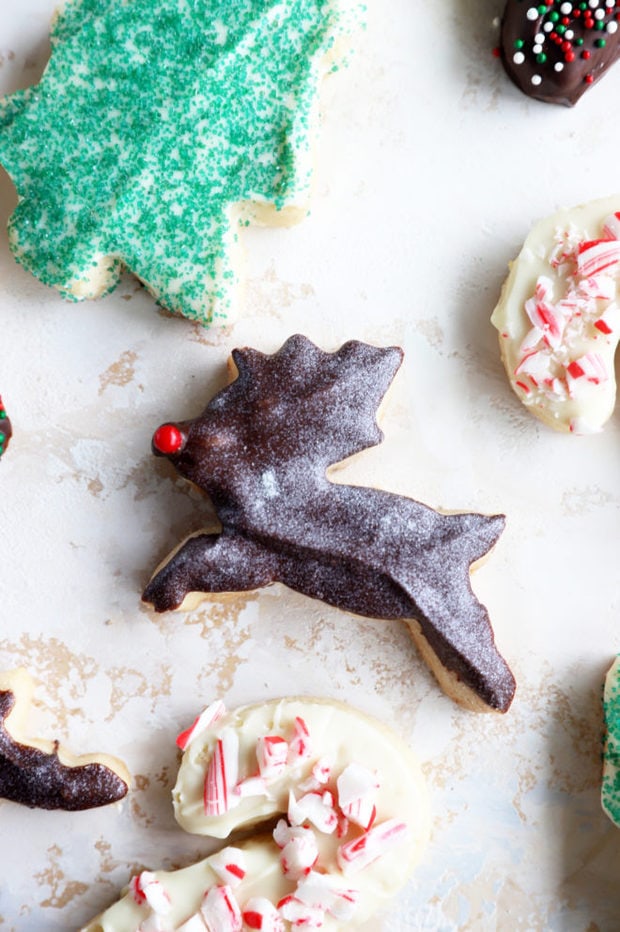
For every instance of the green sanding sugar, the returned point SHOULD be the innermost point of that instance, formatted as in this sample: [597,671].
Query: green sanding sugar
[611,768]
[152,119]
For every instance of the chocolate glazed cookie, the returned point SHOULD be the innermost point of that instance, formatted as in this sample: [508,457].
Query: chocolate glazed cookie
[554,51]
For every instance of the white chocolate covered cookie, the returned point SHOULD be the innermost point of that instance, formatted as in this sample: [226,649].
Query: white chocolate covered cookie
[353,819]
[558,317]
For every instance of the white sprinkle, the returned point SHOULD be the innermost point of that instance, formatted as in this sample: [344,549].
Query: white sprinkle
[537,49]
[566,8]
[569,34]
[536,80]
[533,14]
[559,66]
[539,37]
[548,27]
[593,4]
[600,14]
[518,58]
[612,27]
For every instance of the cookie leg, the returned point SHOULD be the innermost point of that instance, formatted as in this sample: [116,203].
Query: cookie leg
[209,563]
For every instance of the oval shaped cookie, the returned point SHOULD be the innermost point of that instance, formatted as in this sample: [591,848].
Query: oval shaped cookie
[558,317]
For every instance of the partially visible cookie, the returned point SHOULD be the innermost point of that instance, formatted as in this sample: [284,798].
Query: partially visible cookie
[554,51]
[352,813]
[42,774]
[6,430]
[159,130]
[558,317]
[610,795]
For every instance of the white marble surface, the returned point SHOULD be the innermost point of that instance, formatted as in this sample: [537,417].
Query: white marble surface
[430,171]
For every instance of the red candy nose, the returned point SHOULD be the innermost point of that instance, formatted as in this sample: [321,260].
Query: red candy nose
[168,439]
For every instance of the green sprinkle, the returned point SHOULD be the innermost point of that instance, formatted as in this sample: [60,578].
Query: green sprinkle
[150,121]
[519,43]
[610,794]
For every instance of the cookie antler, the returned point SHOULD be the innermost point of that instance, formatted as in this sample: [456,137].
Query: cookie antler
[260,450]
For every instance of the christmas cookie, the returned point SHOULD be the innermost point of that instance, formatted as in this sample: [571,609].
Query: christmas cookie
[41,774]
[558,317]
[6,431]
[157,132]
[611,766]
[261,449]
[556,50]
[353,821]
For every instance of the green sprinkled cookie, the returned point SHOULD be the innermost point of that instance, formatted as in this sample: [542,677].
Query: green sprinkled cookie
[611,767]
[157,130]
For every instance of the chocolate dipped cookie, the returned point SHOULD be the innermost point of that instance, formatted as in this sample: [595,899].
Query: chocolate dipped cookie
[42,774]
[554,51]
[261,450]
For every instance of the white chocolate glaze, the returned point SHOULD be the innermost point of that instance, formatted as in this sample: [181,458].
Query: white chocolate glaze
[337,734]
[558,317]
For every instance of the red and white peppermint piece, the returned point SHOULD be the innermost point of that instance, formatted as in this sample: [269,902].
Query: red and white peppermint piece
[319,775]
[357,789]
[544,315]
[536,364]
[203,721]
[300,915]
[324,892]
[147,890]
[260,913]
[316,808]
[588,368]
[299,853]
[222,773]
[596,256]
[252,786]
[611,226]
[229,865]
[357,854]
[272,754]
[220,910]
[609,320]
[300,748]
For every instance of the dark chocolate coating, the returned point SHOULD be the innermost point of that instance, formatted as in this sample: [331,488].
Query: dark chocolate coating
[572,55]
[39,780]
[261,449]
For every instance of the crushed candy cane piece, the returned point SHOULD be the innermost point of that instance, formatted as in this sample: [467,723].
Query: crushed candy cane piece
[260,913]
[300,915]
[229,865]
[272,754]
[252,786]
[611,226]
[300,747]
[357,788]
[316,808]
[147,889]
[200,724]
[299,852]
[222,773]
[357,854]
[597,256]
[220,910]
[325,892]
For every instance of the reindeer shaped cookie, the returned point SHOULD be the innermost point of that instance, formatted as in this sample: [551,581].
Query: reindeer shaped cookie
[261,450]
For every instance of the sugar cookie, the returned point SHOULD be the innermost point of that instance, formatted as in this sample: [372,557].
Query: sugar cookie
[157,132]
[353,822]
[261,449]
[558,317]
[41,774]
